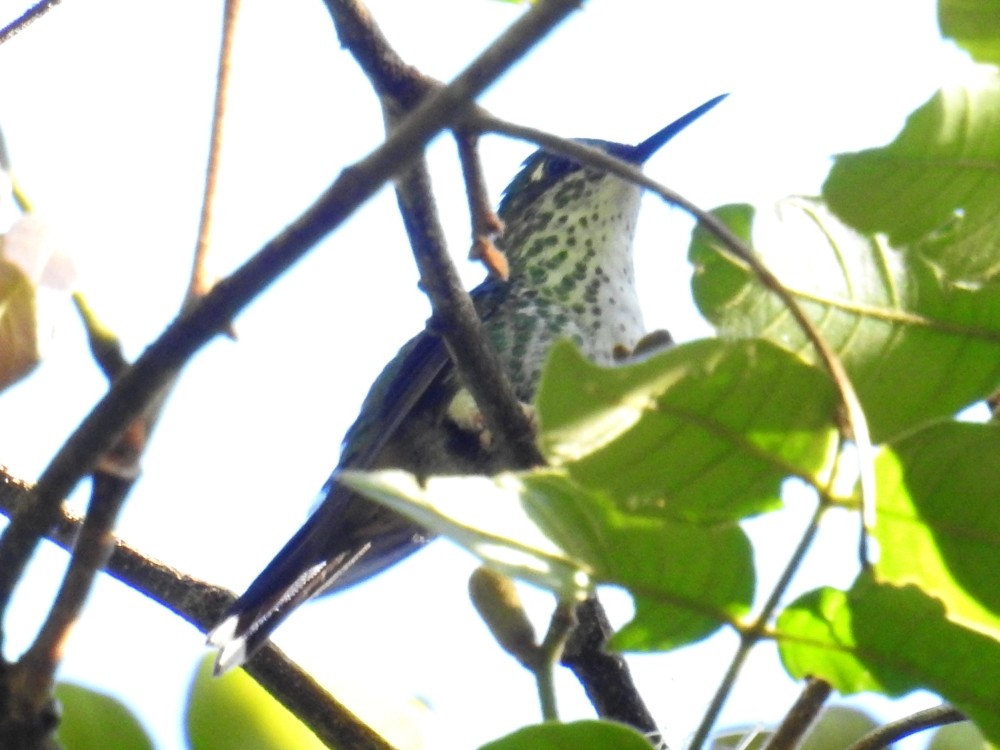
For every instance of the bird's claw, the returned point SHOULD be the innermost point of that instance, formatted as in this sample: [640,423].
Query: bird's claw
[464,413]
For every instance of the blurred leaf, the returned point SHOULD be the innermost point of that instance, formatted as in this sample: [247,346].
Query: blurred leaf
[938,522]
[916,346]
[233,712]
[838,727]
[961,736]
[687,578]
[94,721]
[935,186]
[891,640]
[707,430]
[18,325]
[577,735]
[974,25]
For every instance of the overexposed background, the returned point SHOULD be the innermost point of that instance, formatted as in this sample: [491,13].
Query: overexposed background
[106,106]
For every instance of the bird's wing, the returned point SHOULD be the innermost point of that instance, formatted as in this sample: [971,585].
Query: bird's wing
[349,538]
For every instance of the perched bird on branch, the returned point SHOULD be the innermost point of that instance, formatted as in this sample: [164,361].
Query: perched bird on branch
[568,241]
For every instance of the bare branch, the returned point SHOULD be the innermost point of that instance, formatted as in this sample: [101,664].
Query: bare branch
[92,550]
[605,676]
[29,16]
[391,76]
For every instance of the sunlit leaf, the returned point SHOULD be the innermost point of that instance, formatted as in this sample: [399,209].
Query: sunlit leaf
[707,430]
[233,712]
[18,325]
[938,523]
[935,187]
[94,721]
[891,640]
[577,735]
[916,346]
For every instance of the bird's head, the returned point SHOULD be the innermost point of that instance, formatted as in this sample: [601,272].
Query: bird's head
[556,209]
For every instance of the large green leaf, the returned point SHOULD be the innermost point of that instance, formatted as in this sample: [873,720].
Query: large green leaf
[974,25]
[938,523]
[892,640]
[707,430]
[916,346]
[936,186]
[687,578]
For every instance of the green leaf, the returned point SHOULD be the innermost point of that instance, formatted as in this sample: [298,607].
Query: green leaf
[916,346]
[892,640]
[577,735]
[94,721]
[974,25]
[18,325]
[707,430]
[687,578]
[935,187]
[233,712]
[938,521]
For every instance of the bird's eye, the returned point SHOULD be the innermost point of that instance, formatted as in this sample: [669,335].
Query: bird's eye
[558,166]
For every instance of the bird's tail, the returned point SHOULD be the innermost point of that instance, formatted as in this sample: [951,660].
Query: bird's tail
[315,560]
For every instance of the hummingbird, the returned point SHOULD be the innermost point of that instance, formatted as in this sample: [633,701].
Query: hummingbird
[568,240]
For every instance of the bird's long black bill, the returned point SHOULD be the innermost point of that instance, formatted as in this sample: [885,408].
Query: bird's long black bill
[651,145]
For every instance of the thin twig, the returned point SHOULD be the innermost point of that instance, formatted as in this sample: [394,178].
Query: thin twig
[201,604]
[201,280]
[29,16]
[91,552]
[886,734]
[486,225]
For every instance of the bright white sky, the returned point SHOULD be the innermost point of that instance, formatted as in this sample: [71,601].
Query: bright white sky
[105,105]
